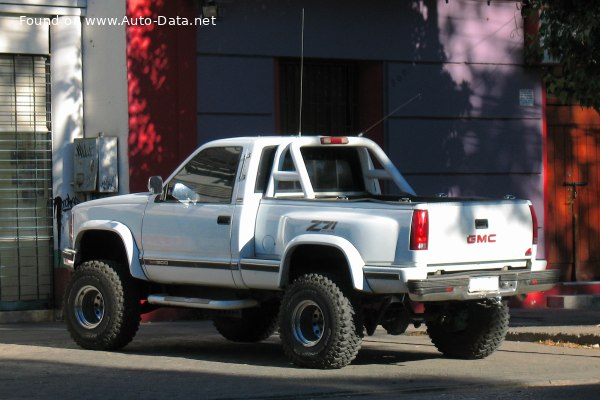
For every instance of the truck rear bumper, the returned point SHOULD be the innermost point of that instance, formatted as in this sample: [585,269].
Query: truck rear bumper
[484,284]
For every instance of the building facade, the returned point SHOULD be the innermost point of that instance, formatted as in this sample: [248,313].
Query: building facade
[441,85]
[47,57]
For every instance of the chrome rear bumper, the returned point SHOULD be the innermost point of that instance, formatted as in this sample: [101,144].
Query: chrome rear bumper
[460,287]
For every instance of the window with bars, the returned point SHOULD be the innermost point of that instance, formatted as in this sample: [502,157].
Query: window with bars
[329,99]
[25,183]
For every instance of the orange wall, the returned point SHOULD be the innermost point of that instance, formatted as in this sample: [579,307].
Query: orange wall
[573,150]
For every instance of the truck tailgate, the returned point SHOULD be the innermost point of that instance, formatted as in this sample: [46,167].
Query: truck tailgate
[480,232]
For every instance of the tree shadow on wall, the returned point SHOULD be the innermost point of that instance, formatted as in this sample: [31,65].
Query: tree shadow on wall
[424,136]
[160,112]
[468,135]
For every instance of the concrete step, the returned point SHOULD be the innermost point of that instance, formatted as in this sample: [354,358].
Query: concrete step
[574,301]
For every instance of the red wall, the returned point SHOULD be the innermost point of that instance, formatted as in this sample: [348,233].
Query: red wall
[161,74]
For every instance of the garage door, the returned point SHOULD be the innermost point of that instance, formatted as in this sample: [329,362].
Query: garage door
[25,183]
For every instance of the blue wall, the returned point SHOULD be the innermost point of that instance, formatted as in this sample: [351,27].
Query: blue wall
[467,134]
[235,96]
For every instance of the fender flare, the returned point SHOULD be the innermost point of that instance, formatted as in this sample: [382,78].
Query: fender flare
[131,248]
[353,257]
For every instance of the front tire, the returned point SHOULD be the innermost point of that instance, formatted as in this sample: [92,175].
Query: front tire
[317,324]
[469,329]
[102,308]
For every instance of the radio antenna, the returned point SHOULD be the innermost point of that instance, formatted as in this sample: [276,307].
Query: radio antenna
[395,110]
[301,73]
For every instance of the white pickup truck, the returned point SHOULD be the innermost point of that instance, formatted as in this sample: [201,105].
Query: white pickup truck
[319,236]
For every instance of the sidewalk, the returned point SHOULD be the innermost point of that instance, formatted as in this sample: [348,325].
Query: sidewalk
[539,324]
[578,326]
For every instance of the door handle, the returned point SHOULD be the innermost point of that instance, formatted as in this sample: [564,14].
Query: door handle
[224,219]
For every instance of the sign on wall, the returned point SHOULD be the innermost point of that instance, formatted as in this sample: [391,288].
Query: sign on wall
[108,175]
[85,159]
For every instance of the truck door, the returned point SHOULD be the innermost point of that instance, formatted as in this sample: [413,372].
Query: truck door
[186,231]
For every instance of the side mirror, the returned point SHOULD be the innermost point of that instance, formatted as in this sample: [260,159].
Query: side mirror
[155,184]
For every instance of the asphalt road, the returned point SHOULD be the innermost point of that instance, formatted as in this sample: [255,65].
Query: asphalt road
[189,360]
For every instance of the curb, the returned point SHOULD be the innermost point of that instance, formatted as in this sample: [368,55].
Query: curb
[574,302]
[581,339]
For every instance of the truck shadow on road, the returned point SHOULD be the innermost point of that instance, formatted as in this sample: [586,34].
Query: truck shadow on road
[135,378]
[199,341]
[266,354]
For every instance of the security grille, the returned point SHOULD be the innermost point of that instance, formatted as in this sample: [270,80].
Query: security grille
[330,97]
[25,183]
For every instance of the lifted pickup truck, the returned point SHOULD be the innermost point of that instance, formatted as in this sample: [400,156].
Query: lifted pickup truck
[320,236]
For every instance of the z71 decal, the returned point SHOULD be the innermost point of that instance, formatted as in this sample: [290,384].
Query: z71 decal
[321,226]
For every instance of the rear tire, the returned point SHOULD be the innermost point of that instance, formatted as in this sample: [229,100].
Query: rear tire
[102,307]
[254,325]
[317,324]
[468,329]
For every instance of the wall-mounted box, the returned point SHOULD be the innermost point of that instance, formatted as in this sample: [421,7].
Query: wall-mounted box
[96,165]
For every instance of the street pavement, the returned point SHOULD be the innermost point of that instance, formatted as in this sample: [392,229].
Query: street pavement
[578,326]
[189,360]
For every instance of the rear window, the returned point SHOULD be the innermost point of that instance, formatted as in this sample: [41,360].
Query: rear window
[334,169]
[330,169]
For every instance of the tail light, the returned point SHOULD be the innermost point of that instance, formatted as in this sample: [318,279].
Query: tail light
[419,230]
[334,140]
[534,239]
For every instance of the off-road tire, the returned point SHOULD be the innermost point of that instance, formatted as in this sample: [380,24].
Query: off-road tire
[469,329]
[317,324]
[254,324]
[102,307]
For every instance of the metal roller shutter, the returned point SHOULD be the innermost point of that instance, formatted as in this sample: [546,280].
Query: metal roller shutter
[26,268]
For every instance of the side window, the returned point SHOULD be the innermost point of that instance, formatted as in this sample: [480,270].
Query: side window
[264,168]
[207,178]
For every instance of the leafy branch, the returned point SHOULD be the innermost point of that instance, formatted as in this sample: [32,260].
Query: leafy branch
[569,35]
